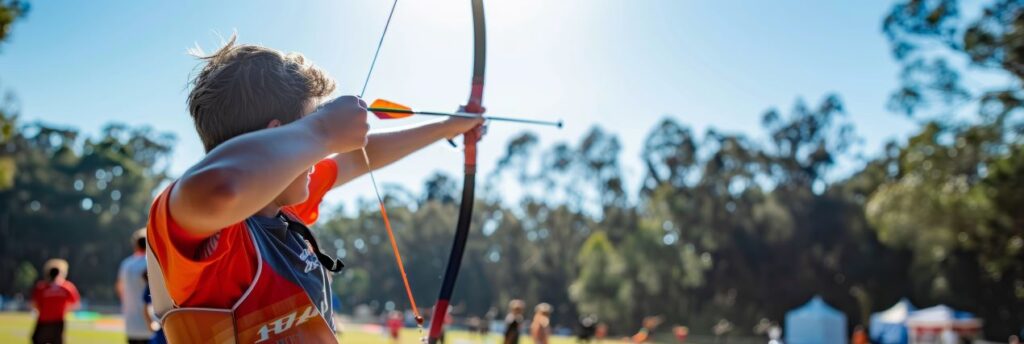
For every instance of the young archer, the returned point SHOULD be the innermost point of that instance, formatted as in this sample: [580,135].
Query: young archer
[230,256]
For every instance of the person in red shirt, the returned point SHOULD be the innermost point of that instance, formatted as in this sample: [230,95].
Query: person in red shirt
[394,325]
[644,335]
[681,333]
[52,298]
[601,332]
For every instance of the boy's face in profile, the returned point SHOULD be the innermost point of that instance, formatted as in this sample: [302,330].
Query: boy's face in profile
[298,190]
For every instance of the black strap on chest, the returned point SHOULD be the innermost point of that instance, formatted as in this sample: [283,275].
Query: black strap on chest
[330,263]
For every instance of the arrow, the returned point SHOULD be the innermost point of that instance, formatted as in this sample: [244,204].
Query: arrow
[385,109]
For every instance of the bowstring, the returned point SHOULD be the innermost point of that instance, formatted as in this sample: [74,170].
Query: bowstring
[373,181]
[380,43]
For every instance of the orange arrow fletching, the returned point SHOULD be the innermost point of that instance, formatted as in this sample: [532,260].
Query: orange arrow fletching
[384,105]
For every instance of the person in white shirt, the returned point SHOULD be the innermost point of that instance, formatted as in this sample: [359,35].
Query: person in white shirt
[130,287]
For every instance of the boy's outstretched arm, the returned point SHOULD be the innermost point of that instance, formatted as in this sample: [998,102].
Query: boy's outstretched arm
[386,147]
[246,173]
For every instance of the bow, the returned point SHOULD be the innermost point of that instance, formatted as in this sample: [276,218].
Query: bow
[473,107]
[470,138]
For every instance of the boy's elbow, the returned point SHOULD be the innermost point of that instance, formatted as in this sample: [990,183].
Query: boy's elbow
[211,188]
[205,194]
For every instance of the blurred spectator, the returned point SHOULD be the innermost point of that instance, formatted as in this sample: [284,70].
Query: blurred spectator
[587,327]
[774,335]
[485,323]
[513,321]
[860,336]
[646,330]
[600,332]
[130,288]
[681,332]
[394,324]
[52,298]
[540,327]
[150,315]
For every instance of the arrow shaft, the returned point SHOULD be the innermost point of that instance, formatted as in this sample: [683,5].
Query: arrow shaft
[468,115]
[523,120]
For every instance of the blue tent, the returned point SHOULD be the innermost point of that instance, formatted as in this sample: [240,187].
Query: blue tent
[815,323]
[890,326]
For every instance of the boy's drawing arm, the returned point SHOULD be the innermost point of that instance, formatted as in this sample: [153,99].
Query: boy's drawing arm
[387,146]
[245,174]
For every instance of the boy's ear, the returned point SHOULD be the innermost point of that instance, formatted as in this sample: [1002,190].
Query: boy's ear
[274,123]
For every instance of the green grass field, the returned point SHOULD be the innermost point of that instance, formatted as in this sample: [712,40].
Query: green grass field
[16,328]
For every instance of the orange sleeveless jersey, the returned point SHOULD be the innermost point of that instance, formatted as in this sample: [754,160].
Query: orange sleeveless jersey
[214,272]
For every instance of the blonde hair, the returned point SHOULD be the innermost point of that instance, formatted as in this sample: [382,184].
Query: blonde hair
[56,263]
[139,238]
[139,234]
[242,88]
[516,305]
[543,308]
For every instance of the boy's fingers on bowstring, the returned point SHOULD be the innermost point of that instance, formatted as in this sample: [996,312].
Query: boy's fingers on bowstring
[345,118]
[346,101]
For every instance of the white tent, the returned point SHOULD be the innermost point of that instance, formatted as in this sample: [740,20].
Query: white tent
[815,323]
[941,324]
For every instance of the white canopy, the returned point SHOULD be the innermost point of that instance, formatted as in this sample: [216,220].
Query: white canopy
[940,315]
[897,314]
[941,324]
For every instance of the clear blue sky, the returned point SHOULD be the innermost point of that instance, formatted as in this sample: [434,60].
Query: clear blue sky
[621,65]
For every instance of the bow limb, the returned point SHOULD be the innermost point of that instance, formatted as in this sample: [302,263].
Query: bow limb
[470,138]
